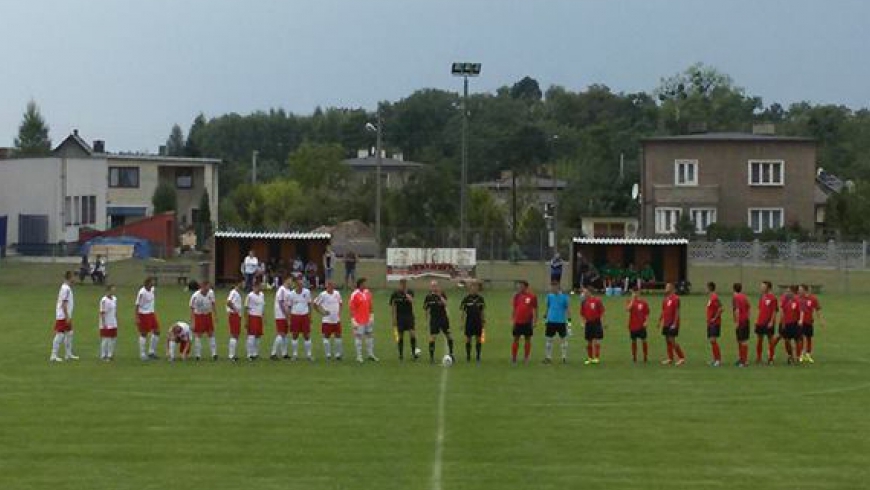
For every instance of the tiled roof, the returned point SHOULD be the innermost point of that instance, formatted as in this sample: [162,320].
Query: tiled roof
[631,241]
[293,235]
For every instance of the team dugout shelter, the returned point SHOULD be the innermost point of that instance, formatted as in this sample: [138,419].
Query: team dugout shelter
[624,262]
[276,250]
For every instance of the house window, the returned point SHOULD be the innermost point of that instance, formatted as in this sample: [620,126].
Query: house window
[89,210]
[766,172]
[666,220]
[184,178]
[761,219]
[686,172]
[702,217]
[77,203]
[67,211]
[124,177]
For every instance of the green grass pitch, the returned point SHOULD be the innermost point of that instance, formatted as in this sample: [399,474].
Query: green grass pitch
[277,425]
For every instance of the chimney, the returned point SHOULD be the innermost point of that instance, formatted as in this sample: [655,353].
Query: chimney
[75,132]
[99,146]
[766,129]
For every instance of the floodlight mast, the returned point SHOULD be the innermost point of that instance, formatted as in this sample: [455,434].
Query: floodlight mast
[464,70]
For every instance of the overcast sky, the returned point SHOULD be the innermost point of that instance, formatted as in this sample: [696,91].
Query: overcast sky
[126,70]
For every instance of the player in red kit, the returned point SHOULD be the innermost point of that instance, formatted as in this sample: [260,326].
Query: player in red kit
[669,322]
[740,308]
[638,313]
[525,316]
[714,323]
[767,309]
[592,311]
[809,307]
[789,322]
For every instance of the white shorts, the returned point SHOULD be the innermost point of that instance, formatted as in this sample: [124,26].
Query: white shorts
[366,329]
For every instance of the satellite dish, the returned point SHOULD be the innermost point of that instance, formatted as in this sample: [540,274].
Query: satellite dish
[635,192]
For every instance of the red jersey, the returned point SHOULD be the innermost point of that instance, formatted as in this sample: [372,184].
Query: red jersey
[671,311]
[791,309]
[740,304]
[592,309]
[638,312]
[809,305]
[361,306]
[525,305]
[714,307]
[767,308]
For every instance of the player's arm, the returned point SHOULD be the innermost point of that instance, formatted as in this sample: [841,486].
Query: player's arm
[192,314]
[394,313]
[102,315]
[822,320]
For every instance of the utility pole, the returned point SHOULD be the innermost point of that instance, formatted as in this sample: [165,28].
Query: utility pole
[254,167]
[378,163]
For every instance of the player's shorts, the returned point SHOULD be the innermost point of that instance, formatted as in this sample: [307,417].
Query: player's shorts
[235,322]
[639,334]
[364,329]
[62,326]
[763,330]
[437,327]
[184,347]
[781,330]
[594,330]
[203,324]
[714,331]
[330,330]
[553,329]
[148,324]
[522,330]
[792,331]
[281,326]
[743,332]
[807,330]
[473,329]
[300,324]
[668,332]
[255,326]
[405,324]
[108,333]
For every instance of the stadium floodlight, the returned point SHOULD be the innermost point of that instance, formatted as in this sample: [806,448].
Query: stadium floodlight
[464,70]
[376,128]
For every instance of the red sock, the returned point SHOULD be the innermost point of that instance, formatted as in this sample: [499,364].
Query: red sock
[645,350]
[743,352]
[717,354]
[788,349]
[598,351]
[679,351]
[527,349]
[634,350]
[670,351]
[771,348]
[800,347]
[514,348]
[759,347]
[589,353]
[809,345]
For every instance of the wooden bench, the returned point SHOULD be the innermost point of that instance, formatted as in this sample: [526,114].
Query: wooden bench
[180,272]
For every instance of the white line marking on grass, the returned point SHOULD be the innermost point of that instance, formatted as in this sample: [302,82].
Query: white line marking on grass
[439,432]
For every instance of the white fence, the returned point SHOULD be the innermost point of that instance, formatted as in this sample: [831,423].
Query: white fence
[832,255]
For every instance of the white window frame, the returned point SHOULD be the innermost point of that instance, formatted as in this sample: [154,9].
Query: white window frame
[761,164]
[762,227]
[660,225]
[713,212]
[680,163]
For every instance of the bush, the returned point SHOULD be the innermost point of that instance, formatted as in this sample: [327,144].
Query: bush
[165,198]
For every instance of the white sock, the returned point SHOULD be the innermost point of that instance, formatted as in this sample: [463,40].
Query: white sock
[249,346]
[142,342]
[68,343]
[232,347]
[295,343]
[370,345]
[172,345]
[112,343]
[284,344]
[212,346]
[326,348]
[565,348]
[358,343]
[103,348]
[154,339]
[256,346]
[276,345]
[338,346]
[55,343]
[308,348]
[549,348]
[197,346]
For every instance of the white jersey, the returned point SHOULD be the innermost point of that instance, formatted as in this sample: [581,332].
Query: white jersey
[234,299]
[256,304]
[185,331]
[281,296]
[251,265]
[300,303]
[109,312]
[65,294]
[331,303]
[202,304]
[145,301]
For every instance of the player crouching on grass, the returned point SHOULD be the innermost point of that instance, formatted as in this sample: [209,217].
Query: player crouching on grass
[592,311]
[63,327]
[328,303]
[638,314]
[108,324]
[234,318]
[255,306]
[525,316]
[402,309]
[435,305]
[669,322]
[714,323]
[146,320]
[558,311]
[474,318]
[809,306]
[740,309]
[202,310]
[178,341]
[362,318]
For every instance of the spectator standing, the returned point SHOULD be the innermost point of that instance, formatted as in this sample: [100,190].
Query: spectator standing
[349,268]
[250,267]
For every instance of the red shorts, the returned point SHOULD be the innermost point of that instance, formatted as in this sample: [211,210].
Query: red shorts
[235,325]
[61,326]
[300,324]
[147,323]
[108,333]
[184,347]
[281,326]
[255,326]
[331,330]
[203,324]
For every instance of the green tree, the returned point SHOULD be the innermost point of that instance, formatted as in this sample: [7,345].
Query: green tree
[33,139]
[175,142]
[165,198]
[484,212]
[685,227]
[194,136]
[283,201]
[527,89]
[318,166]
[247,205]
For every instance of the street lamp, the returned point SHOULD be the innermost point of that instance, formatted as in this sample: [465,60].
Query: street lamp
[464,70]
[377,129]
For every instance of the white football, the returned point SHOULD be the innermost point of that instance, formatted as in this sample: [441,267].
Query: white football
[447,361]
[418,351]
